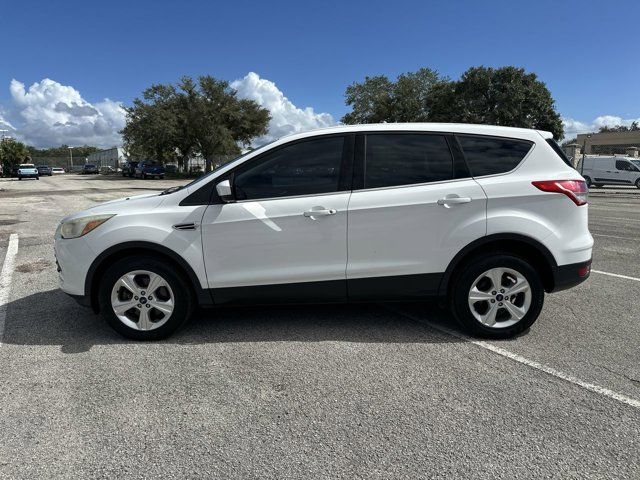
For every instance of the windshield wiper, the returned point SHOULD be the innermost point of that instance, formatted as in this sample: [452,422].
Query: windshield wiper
[172,189]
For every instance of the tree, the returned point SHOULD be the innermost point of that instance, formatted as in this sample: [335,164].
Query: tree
[12,153]
[190,118]
[621,128]
[504,96]
[378,99]
[62,151]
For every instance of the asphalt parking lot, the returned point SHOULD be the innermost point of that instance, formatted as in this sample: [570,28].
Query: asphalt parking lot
[347,391]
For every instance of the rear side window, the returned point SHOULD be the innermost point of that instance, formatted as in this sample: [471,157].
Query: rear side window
[556,148]
[305,168]
[405,159]
[492,155]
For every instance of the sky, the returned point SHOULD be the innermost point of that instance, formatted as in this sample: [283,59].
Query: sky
[68,67]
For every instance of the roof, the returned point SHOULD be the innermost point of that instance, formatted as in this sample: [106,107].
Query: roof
[493,130]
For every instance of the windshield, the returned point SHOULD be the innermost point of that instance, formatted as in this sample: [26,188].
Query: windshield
[636,163]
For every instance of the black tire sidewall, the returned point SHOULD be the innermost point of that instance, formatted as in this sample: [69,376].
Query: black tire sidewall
[638,183]
[588,181]
[464,280]
[184,301]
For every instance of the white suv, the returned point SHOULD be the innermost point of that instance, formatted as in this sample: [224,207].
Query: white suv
[485,218]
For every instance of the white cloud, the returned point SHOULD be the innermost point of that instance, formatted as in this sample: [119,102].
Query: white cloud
[286,118]
[49,114]
[573,127]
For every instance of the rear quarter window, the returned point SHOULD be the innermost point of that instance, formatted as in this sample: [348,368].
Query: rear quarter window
[492,155]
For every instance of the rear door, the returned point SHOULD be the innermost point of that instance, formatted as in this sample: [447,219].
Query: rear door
[413,210]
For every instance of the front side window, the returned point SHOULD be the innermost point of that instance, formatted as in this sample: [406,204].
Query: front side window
[492,155]
[624,166]
[406,159]
[305,168]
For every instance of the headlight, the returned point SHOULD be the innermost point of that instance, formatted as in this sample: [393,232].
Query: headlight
[81,226]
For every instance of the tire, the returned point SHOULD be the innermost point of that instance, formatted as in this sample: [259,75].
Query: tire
[588,181]
[597,185]
[144,176]
[473,274]
[638,183]
[138,271]
[162,178]
[37,178]
[19,178]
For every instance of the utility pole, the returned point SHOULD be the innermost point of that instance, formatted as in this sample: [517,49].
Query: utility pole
[71,156]
[584,150]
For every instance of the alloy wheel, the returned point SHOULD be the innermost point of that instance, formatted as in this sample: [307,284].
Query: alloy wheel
[142,300]
[500,297]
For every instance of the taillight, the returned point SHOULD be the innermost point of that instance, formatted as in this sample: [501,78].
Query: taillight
[576,190]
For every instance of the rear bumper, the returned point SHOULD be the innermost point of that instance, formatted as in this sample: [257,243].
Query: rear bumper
[568,276]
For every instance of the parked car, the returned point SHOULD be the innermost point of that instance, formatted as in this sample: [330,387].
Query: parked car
[485,218]
[129,169]
[599,171]
[171,168]
[57,170]
[44,170]
[28,170]
[149,170]
[89,168]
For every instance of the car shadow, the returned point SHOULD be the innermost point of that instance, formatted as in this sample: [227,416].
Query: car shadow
[53,318]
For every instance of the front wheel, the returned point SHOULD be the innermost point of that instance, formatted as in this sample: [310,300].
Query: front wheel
[498,297]
[638,183]
[143,298]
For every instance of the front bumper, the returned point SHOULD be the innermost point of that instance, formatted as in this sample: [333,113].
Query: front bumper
[568,276]
[73,259]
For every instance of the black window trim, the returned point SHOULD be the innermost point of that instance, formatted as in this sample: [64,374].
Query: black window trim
[345,179]
[518,165]
[361,159]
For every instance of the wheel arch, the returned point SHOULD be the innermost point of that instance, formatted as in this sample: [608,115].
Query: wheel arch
[111,254]
[540,257]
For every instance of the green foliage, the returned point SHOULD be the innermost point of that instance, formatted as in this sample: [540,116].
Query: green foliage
[622,128]
[378,99]
[496,96]
[178,121]
[12,153]
[62,151]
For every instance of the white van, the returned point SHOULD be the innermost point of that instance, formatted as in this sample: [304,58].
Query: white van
[599,171]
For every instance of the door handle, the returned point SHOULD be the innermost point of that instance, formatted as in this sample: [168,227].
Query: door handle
[320,212]
[445,202]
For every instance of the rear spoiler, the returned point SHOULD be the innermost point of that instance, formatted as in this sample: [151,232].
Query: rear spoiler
[546,135]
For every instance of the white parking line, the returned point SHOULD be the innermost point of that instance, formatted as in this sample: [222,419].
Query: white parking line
[5,279]
[626,277]
[613,236]
[525,361]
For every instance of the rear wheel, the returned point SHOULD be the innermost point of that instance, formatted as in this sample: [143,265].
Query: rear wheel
[588,181]
[498,296]
[143,298]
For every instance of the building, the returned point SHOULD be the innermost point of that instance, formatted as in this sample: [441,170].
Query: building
[112,157]
[609,143]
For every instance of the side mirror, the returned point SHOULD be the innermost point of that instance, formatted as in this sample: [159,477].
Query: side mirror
[224,191]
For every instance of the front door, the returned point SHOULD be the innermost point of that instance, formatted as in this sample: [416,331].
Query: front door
[284,238]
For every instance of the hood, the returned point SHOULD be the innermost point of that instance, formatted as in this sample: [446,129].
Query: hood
[134,204]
